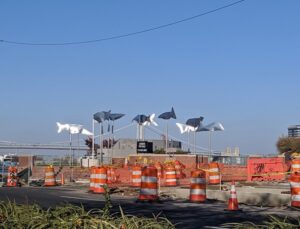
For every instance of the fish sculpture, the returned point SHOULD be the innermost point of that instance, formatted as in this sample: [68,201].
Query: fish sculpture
[168,115]
[185,128]
[145,120]
[72,129]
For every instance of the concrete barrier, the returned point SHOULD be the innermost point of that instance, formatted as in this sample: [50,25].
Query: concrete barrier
[246,195]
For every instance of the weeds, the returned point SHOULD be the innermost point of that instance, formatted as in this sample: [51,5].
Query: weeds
[272,223]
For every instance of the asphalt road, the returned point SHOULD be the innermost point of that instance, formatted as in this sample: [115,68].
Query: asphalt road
[183,213]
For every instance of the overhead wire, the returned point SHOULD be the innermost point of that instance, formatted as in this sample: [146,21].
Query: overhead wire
[125,34]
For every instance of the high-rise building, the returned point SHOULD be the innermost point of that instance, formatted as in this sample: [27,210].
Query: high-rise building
[294,131]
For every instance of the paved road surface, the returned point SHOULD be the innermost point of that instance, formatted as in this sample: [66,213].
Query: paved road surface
[187,215]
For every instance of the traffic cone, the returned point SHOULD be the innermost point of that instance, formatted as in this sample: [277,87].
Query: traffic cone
[233,204]
[62,179]
[125,163]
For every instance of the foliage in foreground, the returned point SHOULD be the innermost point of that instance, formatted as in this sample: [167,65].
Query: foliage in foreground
[272,223]
[70,216]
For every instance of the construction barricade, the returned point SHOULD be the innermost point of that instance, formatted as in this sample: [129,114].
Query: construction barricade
[100,180]
[149,184]
[49,176]
[179,169]
[170,175]
[12,177]
[92,178]
[136,175]
[198,186]
[214,173]
[295,167]
[159,168]
[295,189]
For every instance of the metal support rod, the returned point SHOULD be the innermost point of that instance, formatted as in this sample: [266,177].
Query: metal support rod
[101,144]
[188,141]
[71,157]
[167,137]
[112,141]
[194,142]
[93,140]
[209,141]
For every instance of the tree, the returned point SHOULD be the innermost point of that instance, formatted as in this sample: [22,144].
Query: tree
[288,145]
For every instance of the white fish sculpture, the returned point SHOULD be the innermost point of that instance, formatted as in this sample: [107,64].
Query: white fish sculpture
[185,128]
[72,128]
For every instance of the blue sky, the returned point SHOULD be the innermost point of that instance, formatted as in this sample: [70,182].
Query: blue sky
[239,66]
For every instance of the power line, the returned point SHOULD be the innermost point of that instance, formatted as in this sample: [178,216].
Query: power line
[126,34]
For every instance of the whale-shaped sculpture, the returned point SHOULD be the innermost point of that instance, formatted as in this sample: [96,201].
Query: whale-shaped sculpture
[73,129]
[185,128]
[102,116]
[215,126]
[194,122]
[168,115]
[145,120]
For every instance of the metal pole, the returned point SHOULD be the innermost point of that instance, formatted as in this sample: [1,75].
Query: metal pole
[167,137]
[93,140]
[71,156]
[2,168]
[101,144]
[194,142]
[112,144]
[209,139]
[78,147]
[188,141]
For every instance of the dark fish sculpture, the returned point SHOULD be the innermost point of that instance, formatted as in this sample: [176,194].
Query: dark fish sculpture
[115,116]
[194,122]
[102,116]
[145,120]
[168,115]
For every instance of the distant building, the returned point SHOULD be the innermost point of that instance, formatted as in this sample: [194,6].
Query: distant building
[125,147]
[294,131]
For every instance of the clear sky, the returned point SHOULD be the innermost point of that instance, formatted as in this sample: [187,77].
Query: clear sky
[239,66]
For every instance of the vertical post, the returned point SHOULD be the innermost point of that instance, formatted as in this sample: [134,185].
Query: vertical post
[209,141]
[167,137]
[71,156]
[101,143]
[29,167]
[194,142]
[78,150]
[188,141]
[112,141]
[3,169]
[93,140]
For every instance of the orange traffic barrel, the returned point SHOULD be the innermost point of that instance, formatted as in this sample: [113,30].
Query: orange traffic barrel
[136,175]
[49,176]
[149,186]
[178,169]
[233,204]
[108,173]
[92,178]
[295,189]
[214,173]
[113,175]
[198,186]
[12,176]
[158,166]
[295,165]
[100,179]
[170,176]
